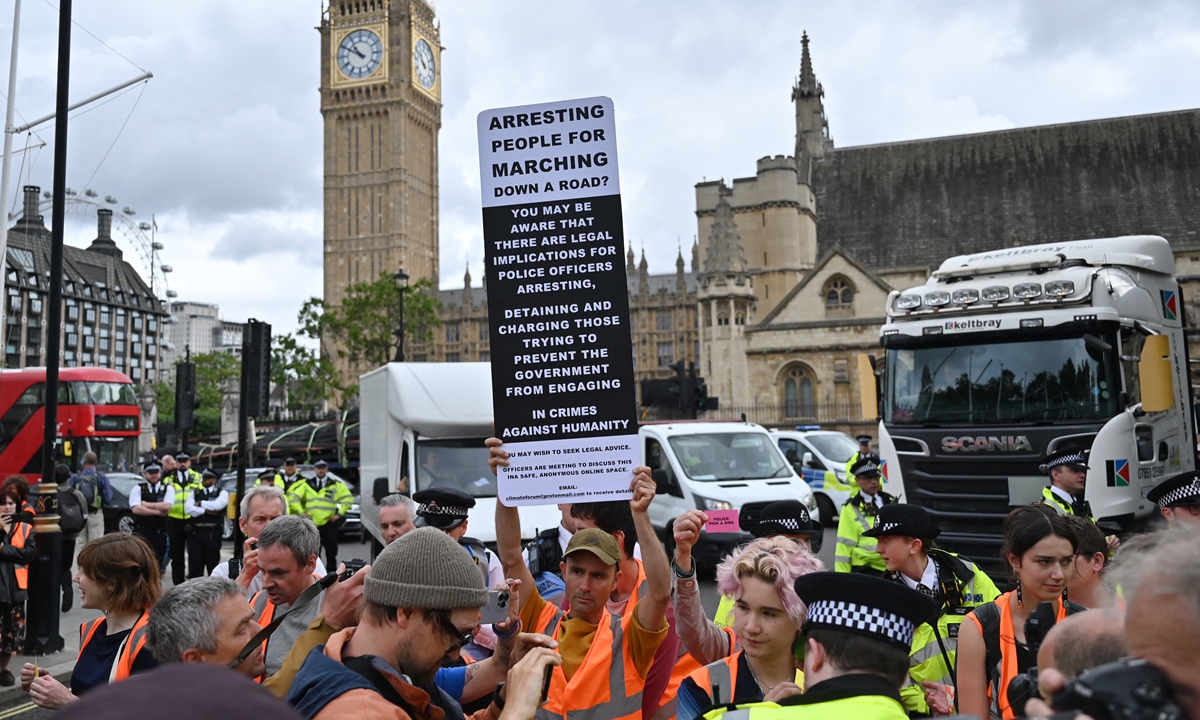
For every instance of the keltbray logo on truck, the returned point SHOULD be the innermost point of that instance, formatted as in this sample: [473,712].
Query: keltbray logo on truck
[1118,472]
[972,324]
[1170,304]
[993,443]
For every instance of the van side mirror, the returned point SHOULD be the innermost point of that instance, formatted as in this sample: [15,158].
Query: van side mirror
[380,489]
[1154,373]
[810,461]
[664,484]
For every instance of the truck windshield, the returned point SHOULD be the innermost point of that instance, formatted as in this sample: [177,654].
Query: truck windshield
[1001,382]
[728,456]
[460,464]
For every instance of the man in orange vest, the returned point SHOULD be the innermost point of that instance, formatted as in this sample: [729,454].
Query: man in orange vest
[605,658]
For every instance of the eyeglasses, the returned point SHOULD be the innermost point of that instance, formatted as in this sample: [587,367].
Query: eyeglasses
[460,638]
[1191,509]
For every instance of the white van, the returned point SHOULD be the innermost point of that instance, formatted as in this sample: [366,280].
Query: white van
[811,452]
[717,466]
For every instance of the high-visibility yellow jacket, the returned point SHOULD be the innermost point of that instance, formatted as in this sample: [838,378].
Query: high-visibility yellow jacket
[183,486]
[853,550]
[333,498]
[1063,507]
[858,697]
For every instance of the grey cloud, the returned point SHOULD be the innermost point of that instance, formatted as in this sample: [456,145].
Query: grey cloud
[253,239]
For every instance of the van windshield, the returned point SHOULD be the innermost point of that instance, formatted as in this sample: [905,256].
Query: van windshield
[710,457]
[460,464]
[838,447]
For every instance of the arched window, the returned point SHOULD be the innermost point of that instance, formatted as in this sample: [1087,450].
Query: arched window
[838,291]
[799,393]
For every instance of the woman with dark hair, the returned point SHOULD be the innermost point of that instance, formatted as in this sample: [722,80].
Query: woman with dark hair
[118,575]
[1039,548]
[21,486]
[15,554]
[1091,559]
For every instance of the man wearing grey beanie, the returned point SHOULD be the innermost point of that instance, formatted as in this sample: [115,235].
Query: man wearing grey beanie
[421,605]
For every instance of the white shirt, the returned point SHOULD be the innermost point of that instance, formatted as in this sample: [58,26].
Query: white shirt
[256,583]
[135,495]
[216,505]
[1062,494]
[929,579]
[873,500]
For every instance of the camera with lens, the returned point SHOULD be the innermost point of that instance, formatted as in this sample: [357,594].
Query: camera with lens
[1129,689]
[352,566]
[1024,687]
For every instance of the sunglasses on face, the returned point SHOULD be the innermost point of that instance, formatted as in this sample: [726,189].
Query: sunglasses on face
[460,638]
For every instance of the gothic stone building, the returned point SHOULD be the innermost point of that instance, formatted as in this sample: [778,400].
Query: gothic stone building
[798,260]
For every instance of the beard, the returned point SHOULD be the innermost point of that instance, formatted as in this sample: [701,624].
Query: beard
[414,662]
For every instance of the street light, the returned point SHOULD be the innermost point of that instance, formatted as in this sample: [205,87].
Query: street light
[401,279]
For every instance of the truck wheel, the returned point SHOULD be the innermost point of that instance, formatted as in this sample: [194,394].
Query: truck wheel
[829,514]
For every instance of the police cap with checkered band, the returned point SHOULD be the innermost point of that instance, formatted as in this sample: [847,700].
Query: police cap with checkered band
[866,466]
[1073,457]
[784,517]
[1182,489]
[881,609]
[443,508]
[903,519]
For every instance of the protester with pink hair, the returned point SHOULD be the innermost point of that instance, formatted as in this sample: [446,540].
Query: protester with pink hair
[753,660]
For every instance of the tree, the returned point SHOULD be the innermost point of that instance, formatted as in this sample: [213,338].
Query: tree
[310,378]
[363,329]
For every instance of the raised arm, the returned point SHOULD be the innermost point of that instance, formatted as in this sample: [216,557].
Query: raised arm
[700,636]
[508,528]
[652,610]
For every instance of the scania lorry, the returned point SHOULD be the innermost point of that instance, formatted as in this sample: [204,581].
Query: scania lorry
[1003,357]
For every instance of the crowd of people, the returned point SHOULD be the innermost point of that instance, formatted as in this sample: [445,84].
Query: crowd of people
[595,620]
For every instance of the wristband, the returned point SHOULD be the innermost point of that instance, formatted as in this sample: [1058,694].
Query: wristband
[680,574]
[496,695]
[516,628]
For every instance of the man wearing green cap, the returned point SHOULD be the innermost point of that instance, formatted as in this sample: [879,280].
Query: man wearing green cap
[605,658]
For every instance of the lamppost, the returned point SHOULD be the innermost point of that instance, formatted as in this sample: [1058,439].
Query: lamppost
[401,279]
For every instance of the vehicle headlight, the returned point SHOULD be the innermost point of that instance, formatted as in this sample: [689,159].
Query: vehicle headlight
[937,298]
[811,502]
[908,302]
[965,296]
[995,293]
[1027,291]
[704,503]
[1060,288]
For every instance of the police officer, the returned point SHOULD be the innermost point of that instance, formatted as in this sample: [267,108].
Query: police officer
[181,479]
[268,477]
[855,553]
[325,501]
[904,536]
[205,504]
[291,474]
[544,554]
[1068,477]
[1178,498]
[864,448]
[446,509]
[854,645]
[150,502]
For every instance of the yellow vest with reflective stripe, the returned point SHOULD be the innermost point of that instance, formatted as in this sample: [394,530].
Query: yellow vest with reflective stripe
[320,505]
[853,549]
[863,707]
[192,478]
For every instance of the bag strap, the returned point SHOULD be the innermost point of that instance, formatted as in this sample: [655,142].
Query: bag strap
[305,598]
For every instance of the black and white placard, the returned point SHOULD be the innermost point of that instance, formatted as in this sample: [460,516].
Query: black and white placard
[558,303]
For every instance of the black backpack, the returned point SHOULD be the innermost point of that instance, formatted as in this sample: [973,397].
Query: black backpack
[988,615]
[70,512]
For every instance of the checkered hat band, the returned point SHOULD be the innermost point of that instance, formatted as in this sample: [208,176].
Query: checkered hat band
[1073,458]
[790,524]
[435,509]
[887,527]
[868,468]
[1187,491]
[854,616]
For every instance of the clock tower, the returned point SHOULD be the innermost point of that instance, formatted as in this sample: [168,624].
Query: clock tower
[381,83]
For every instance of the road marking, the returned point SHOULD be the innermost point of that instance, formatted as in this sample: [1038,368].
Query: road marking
[18,710]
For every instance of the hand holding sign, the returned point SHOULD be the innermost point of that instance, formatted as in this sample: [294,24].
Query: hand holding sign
[643,488]
[686,532]
[722,521]
[497,456]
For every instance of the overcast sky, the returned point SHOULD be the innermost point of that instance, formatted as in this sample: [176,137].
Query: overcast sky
[224,145]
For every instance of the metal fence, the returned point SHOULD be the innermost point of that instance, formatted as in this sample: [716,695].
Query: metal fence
[830,416]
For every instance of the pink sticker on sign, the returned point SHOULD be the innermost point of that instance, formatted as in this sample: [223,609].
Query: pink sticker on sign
[722,521]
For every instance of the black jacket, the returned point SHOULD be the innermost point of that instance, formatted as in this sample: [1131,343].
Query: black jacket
[10,558]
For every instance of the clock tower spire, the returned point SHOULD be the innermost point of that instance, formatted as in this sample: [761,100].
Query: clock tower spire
[381,102]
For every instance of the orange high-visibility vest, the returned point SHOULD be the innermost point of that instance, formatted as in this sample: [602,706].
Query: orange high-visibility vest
[606,686]
[266,614]
[133,646]
[719,677]
[998,688]
[686,666]
[19,538]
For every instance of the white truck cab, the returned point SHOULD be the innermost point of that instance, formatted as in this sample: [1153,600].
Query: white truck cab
[716,466]
[812,452]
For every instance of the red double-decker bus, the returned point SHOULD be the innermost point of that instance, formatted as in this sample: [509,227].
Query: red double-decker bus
[97,411]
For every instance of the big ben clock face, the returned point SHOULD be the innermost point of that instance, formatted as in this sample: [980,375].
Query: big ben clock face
[425,64]
[360,54]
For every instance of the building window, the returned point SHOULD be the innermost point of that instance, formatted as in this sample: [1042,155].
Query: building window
[87,290]
[841,371]
[105,317]
[135,348]
[70,286]
[104,344]
[89,342]
[72,340]
[152,324]
[103,360]
[72,310]
[452,357]
[452,333]
[120,347]
[120,318]
[799,396]
[14,301]
[35,304]
[483,332]
[722,314]
[838,291]
[485,357]
[89,314]
[666,354]
[137,322]
[87,358]
[69,355]
[662,321]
